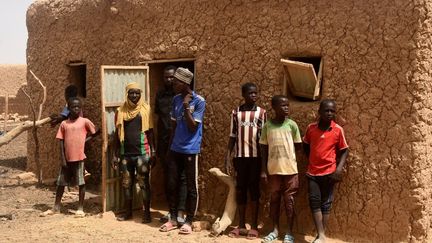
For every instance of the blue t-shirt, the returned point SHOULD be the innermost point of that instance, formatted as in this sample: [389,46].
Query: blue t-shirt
[185,141]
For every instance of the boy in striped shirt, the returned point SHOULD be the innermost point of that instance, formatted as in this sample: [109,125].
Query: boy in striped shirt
[247,121]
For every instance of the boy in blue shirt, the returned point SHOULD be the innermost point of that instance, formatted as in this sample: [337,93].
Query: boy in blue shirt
[185,144]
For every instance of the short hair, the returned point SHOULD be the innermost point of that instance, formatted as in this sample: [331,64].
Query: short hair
[245,87]
[277,99]
[73,99]
[71,91]
[170,67]
[325,102]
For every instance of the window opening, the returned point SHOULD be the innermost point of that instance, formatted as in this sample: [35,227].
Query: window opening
[78,77]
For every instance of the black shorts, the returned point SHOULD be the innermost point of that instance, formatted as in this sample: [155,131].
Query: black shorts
[320,193]
[248,171]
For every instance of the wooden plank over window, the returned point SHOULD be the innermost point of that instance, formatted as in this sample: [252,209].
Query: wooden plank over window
[302,79]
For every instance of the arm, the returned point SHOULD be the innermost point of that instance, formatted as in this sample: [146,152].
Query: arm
[264,158]
[62,152]
[306,149]
[193,120]
[340,161]
[228,163]
[190,122]
[173,128]
[150,137]
[91,136]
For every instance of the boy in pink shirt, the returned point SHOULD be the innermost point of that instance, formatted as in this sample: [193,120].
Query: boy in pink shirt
[72,134]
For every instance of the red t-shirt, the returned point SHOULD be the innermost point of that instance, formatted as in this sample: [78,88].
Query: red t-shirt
[323,148]
[74,133]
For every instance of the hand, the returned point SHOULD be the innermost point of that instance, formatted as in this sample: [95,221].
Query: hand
[228,165]
[153,160]
[264,176]
[336,176]
[64,164]
[186,100]
[115,162]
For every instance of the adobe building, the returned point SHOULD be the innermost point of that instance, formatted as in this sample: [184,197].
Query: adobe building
[12,79]
[373,57]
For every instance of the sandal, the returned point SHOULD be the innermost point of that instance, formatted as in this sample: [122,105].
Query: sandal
[235,233]
[168,226]
[186,229]
[252,234]
[288,239]
[269,238]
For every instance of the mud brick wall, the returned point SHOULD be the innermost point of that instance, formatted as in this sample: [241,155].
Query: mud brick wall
[12,77]
[377,62]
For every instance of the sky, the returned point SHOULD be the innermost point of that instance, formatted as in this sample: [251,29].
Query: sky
[13,31]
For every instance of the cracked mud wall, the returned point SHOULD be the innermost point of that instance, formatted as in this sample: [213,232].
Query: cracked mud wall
[376,65]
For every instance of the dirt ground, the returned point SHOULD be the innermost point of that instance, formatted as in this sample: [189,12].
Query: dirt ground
[25,201]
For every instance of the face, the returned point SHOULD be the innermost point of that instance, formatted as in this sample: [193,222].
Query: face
[168,77]
[328,111]
[75,108]
[178,86]
[134,95]
[282,108]
[251,95]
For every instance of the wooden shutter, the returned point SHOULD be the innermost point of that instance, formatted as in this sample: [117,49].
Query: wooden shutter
[302,79]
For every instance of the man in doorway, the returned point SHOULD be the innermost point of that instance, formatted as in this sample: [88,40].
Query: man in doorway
[185,144]
[163,104]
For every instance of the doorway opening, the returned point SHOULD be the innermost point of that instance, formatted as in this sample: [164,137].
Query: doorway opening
[156,77]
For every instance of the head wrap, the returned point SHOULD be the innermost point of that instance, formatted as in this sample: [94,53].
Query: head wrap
[128,111]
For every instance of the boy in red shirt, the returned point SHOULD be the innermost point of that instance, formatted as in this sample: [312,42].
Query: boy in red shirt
[325,145]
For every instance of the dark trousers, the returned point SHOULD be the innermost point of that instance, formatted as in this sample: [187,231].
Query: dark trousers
[182,193]
[247,179]
[177,164]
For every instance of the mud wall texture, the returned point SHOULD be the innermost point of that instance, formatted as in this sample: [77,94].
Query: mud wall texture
[12,77]
[377,62]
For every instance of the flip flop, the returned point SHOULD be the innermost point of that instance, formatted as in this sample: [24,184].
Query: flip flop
[252,234]
[235,233]
[269,238]
[186,229]
[49,212]
[168,226]
[288,239]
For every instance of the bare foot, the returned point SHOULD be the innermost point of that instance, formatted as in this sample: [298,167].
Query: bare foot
[79,213]
[49,212]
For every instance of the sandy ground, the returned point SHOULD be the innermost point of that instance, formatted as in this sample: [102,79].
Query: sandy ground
[25,201]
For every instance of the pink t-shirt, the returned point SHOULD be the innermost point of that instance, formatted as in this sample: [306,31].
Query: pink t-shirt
[74,133]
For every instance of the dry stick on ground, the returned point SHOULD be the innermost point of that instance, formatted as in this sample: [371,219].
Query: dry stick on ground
[230,206]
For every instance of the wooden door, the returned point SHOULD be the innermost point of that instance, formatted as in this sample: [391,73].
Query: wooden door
[113,92]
